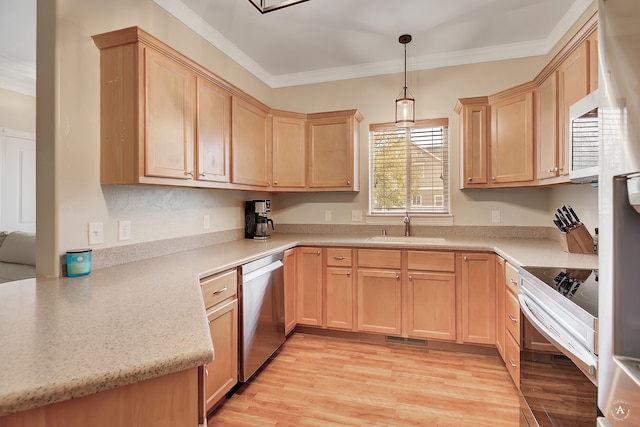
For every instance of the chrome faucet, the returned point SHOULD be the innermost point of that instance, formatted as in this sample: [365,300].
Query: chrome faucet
[407,225]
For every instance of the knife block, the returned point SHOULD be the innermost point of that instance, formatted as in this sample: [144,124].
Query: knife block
[577,239]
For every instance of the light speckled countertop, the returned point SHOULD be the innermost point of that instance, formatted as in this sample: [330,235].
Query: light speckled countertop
[67,337]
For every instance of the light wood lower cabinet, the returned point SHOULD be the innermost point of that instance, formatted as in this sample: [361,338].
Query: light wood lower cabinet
[501,289]
[309,286]
[379,301]
[290,291]
[339,298]
[222,374]
[512,359]
[477,298]
[431,306]
[512,323]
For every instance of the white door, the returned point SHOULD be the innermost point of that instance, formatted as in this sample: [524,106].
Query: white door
[18,189]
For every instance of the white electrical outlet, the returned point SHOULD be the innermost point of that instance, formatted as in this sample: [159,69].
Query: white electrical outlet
[356,216]
[96,233]
[124,230]
[327,215]
[206,224]
[495,217]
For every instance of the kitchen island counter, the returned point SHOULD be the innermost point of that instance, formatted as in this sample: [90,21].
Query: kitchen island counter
[63,338]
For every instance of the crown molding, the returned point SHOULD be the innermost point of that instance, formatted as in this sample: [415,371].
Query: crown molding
[494,53]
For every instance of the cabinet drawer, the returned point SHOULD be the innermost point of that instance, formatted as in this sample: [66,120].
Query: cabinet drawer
[512,359]
[337,257]
[379,258]
[512,316]
[431,261]
[512,276]
[219,287]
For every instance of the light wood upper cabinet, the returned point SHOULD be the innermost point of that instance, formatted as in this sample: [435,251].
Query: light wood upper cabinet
[309,286]
[474,131]
[332,146]
[290,294]
[512,156]
[214,132]
[546,104]
[248,143]
[573,85]
[592,41]
[169,121]
[477,298]
[288,151]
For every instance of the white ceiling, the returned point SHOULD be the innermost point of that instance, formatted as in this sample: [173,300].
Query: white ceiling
[324,40]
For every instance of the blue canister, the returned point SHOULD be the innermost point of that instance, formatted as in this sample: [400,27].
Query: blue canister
[78,262]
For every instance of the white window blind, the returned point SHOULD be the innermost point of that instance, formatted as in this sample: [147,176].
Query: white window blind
[409,168]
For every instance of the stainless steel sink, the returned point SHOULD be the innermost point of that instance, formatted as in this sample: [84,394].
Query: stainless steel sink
[410,239]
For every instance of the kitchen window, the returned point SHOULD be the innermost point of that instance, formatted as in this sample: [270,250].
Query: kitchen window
[409,168]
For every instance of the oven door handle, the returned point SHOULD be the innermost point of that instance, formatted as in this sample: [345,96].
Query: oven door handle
[585,362]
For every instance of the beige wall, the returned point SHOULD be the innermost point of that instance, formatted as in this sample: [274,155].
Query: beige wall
[17,111]
[69,192]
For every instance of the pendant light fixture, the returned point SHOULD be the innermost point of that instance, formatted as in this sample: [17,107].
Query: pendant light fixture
[405,103]
[263,6]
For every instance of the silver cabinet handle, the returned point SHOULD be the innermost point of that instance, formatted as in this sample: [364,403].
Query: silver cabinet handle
[513,282]
[493,178]
[206,372]
[464,258]
[469,179]
[348,182]
[317,252]
[338,258]
[513,319]
[189,174]
[275,182]
[202,175]
[511,362]
[397,277]
[348,274]
[219,291]
[410,277]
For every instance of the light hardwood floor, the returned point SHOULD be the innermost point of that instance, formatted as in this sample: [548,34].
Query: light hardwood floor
[324,381]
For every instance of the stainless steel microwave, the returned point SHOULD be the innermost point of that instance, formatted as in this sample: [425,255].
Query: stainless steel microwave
[584,137]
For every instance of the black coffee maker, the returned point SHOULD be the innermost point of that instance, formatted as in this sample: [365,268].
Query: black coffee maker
[256,220]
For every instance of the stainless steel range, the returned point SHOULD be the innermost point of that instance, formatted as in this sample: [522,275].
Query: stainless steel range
[558,375]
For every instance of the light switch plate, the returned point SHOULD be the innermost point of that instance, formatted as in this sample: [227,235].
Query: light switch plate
[96,233]
[124,230]
[206,223]
[495,217]
[327,215]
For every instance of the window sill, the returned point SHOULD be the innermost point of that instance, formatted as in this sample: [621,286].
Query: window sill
[416,219]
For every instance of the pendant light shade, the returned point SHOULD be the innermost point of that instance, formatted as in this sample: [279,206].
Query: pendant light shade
[405,102]
[265,6]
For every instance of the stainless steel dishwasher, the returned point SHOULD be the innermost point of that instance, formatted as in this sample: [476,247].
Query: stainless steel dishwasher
[261,320]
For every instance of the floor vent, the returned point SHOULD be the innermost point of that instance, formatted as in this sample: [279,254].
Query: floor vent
[401,340]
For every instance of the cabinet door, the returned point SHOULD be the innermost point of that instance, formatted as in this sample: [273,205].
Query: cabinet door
[339,301]
[593,60]
[214,132]
[432,306]
[222,373]
[501,289]
[331,152]
[248,144]
[288,152]
[474,149]
[478,298]
[309,286]
[512,139]
[290,268]
[573,85]
[547,127]
[169,117]
[379,301]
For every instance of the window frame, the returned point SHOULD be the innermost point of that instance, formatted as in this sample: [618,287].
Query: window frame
[427,123]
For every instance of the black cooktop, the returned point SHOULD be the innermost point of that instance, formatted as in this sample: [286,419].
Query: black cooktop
[577,284]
